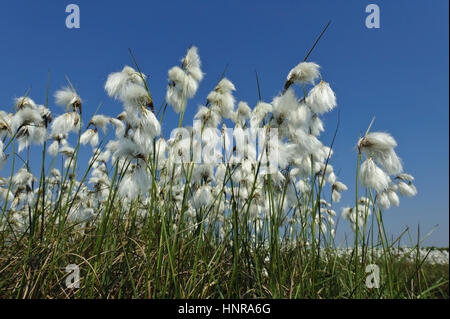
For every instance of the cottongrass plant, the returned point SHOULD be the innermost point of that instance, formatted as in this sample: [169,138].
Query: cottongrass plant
[160,217]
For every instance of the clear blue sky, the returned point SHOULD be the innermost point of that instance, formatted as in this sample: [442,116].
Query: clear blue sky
[399,73]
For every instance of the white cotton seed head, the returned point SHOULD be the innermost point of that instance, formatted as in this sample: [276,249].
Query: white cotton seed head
[128,187]
[405,189]
[393,198]
[339,186]
[25,116]
[335,196]
[174,97]
[133,76]
[142,178]
[100,121]
[208,117]
[150,124]
[259,113]
[242,113]
[119,125]
[316,126]
[117,82]
[184,82]
[301,116]
[373,177]
[284,105]
[346,212]
[66,97]
[22,178]
[331,179]
[225,86]
[222,103]
[24,102]
[66,150]
[89,136]
[192,63]
[389,160]
[383,200]
[304,72]
[380,141]
[405,177]
[53,148]
[136,96]
[321,98]
[39,134]
[202,197]
[65,123]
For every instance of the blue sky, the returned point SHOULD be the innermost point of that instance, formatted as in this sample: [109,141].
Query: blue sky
[398,73]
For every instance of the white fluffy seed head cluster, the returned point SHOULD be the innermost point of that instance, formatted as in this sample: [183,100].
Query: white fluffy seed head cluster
[184,80]
[383,170]
[180,172]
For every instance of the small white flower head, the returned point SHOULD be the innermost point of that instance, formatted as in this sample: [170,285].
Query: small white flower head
[316,125]
[25,117]
[346,212]
[22,179]
[339,186]
[242,113]
[259,113]
[393,197]
[89,136]
[321,98]
[24,102]
[225,86]
[377,141]
[117,82]
[66,150]
[119,125]
[65,123]
[68,98]
[335,196]
[100,121]
[184,82]
[380,146]
[304,73]
[135,182]
[202,197]
[284,105]
[125,148]
[3,156]
[221,99]
[5,124]
[203,173]
[301,117]
[54,148]
[45,113]
[308,144]
[149,123]
[406,177]
[191,63]
[128,187]
[373,177]
[175,98]
[208,117]
[383,200]
[389,160]
[134,97]
[407,189]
